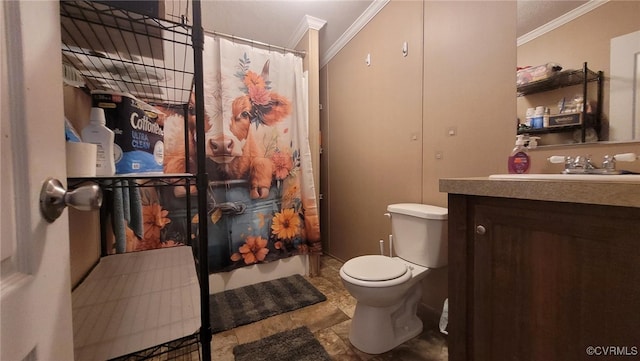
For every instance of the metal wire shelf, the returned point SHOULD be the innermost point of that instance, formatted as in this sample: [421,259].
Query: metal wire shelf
[184,349]
[141,179]
[114,49]
[159,62]
[560,80]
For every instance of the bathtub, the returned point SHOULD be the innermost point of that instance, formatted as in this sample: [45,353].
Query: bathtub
[244,276]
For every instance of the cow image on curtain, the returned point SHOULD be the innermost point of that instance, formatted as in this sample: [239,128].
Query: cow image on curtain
[261,196]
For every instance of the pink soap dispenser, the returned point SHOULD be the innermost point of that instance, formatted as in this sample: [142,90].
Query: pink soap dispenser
[519,160]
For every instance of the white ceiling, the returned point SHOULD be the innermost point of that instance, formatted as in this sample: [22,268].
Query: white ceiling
[277,22]
[534,13]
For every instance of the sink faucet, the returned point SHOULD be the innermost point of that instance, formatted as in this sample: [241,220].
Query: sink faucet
[584,164]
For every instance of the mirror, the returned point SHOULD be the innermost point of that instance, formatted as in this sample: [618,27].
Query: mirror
[605,35]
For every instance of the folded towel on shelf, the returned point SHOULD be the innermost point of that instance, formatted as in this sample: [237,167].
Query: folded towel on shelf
[126,211]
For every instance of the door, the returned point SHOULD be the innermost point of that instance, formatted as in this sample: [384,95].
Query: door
[557,280]
[35,285]
[624,90]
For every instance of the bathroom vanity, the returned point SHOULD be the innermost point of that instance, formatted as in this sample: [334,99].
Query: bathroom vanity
[543,269]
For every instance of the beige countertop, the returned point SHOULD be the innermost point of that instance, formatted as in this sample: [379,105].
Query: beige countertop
[626,194]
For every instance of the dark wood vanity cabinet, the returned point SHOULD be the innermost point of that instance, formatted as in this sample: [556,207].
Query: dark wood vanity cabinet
[540,280]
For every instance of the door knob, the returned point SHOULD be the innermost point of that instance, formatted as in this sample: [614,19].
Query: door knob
[54,198]
[481,230]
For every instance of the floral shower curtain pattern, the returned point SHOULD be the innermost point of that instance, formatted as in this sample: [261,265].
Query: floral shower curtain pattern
[261,198]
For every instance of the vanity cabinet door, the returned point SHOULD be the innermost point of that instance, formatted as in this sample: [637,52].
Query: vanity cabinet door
[543,280]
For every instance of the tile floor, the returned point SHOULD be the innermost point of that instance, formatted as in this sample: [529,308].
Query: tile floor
[330,321]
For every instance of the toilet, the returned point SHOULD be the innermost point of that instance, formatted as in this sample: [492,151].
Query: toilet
[387,289]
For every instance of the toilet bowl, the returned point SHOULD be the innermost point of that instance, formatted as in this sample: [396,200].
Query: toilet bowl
[388,292]
[388,289]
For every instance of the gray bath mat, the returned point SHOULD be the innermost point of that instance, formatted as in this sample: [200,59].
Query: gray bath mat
[252,303]
[293,345]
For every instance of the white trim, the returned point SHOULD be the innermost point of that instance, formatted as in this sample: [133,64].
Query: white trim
[624,87]
[553,24]
[307,22]
[360,22]
[315,23]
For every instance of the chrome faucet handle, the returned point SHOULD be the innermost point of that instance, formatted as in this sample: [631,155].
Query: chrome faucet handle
[588,164]
[579,162]
[569,163]
[609,163]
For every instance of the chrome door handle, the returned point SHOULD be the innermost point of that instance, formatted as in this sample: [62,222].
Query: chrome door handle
[54,198]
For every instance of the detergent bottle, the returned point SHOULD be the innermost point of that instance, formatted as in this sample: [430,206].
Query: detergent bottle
[519,160]
[96,132]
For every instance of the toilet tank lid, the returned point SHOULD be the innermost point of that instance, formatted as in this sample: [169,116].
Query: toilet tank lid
[419,210]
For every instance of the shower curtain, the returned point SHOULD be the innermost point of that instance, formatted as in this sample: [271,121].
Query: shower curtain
[261,197]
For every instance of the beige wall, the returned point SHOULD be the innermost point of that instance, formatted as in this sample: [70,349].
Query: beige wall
[385,125]
[584,39]
[372,130]
[469,85]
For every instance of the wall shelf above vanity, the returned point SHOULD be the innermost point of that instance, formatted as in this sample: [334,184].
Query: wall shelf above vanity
[590,117]
[559,80]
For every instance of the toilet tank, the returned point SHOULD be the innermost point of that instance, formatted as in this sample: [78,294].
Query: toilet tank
[420,233]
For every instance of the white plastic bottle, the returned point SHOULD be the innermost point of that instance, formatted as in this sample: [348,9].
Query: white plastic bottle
[537,120]
[96,132]
[529,117]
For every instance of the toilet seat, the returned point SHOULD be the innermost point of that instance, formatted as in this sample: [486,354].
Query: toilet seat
[375,271]
[374,268]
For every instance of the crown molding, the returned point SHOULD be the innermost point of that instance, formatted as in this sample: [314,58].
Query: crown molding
[307,22]
[315,23]
[360,22]
[553,24]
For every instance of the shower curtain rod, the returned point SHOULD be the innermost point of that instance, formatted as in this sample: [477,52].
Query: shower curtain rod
[301,53]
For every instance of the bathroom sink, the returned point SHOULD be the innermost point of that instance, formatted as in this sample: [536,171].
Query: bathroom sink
[570,177]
